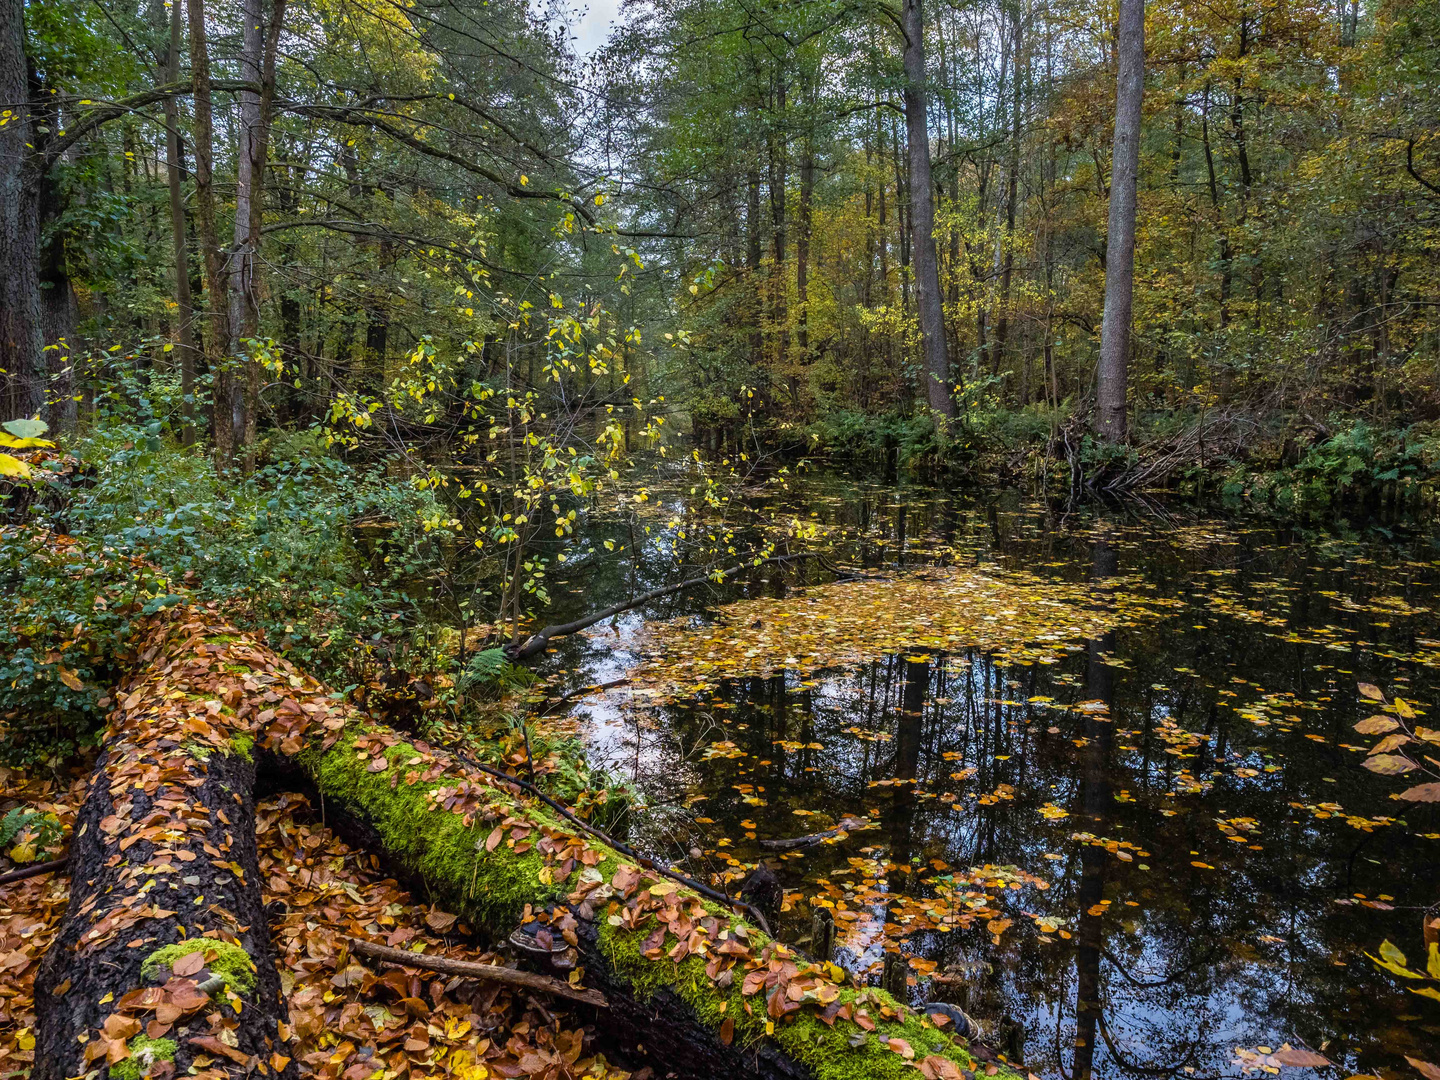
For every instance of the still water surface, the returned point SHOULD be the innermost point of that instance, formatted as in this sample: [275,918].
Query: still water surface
[1169,831]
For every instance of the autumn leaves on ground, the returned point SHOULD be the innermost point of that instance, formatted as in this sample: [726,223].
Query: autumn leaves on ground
[168,850]
[342,1016]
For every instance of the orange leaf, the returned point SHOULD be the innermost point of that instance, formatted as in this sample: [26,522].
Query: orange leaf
[901,1047]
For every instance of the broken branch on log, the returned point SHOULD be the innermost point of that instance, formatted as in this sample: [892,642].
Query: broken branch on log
[33,871]
[603,837]
[465,968]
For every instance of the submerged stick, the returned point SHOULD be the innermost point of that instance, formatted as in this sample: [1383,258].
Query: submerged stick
[470,970]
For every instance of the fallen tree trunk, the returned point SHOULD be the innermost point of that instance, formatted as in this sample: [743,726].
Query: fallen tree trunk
[163,961]
[701,990]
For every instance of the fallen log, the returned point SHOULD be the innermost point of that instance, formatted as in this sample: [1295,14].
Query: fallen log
[543,984]
[704,992]
[163,964]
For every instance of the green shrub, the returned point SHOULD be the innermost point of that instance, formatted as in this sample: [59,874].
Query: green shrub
[156,525]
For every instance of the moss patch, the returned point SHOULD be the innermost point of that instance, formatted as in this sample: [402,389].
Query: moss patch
[243,746]
[143,1054]
[231,963]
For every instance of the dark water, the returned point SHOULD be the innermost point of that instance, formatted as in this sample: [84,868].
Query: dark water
[1217,861]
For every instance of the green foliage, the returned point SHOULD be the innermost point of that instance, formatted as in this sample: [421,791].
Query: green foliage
[889,439]
[34,832]
[156,525]
[1353,469]
[488,668]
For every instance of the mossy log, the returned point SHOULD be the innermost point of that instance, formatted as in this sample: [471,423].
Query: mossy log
[163,960]
[691,987]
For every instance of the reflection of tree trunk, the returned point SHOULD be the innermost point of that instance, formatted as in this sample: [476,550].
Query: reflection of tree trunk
[1095,806]
[907,759]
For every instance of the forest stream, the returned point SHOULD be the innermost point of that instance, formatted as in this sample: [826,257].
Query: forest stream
[1150,852]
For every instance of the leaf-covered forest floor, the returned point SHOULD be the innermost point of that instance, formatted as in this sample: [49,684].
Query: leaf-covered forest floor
[346,1018]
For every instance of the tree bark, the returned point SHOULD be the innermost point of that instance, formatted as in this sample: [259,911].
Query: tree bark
[22,358]
[929,300]
[175,174]
[1112,406]
[240,279]
[217,339]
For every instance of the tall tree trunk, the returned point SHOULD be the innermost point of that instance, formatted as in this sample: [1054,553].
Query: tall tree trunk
[57,307]
[1111,419]
[240,279]
[802,248]
[218,337]
[1012,191]
[753,246]
[175,176]
[778,183]
[22,358]
[929,301]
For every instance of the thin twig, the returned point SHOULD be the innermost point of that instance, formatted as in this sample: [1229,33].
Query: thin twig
[470,970]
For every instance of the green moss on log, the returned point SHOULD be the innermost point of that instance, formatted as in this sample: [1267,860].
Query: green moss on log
[144,1052]
[243,746]
[231,963]
[492,887]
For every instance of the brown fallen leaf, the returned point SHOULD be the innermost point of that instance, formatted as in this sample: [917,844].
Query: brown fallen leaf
[189,964]
[215,1046]
[1304,1058]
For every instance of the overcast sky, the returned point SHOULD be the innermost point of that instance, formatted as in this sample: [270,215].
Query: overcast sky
[592,28]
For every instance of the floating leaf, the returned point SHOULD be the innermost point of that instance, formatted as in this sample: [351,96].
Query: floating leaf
[1303,1058]
[1377,725]
[1370,690]
[1390,764]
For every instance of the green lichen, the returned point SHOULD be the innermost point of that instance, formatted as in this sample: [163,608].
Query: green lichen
[143,1054]
[231,963]
[243,746]
[198,751]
